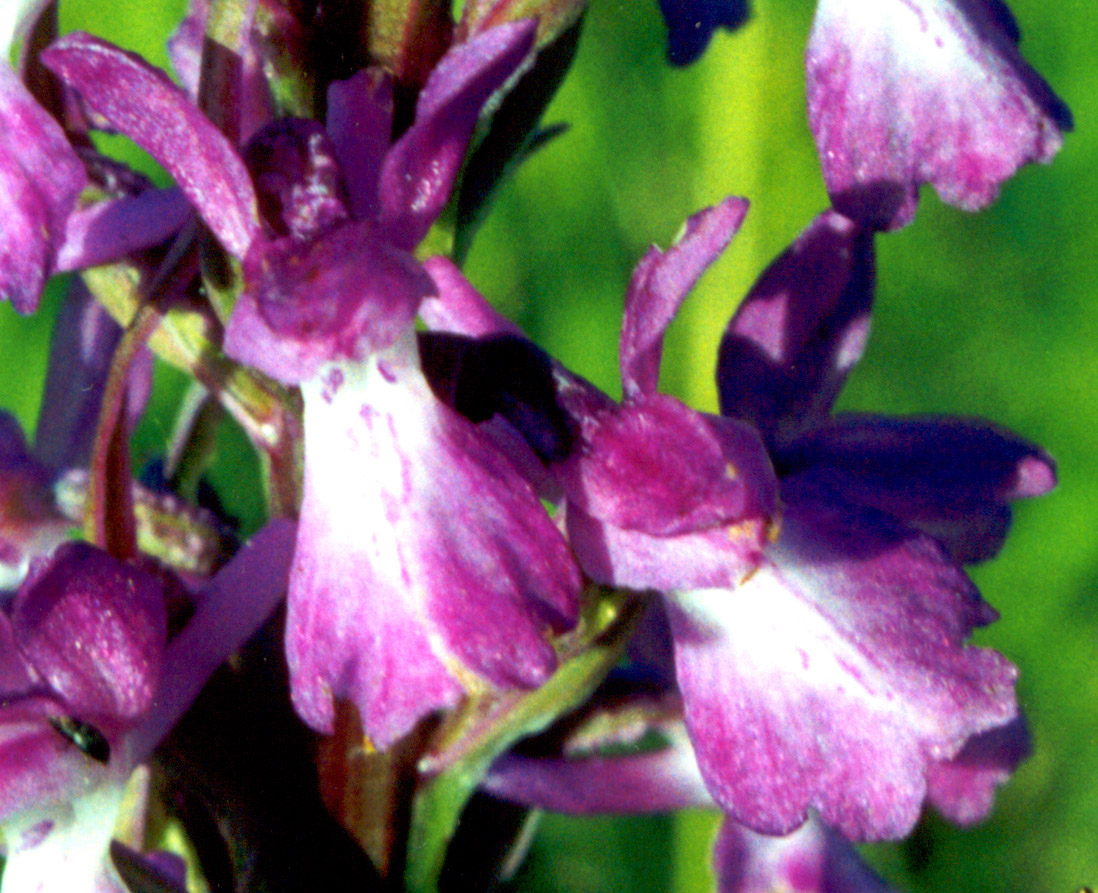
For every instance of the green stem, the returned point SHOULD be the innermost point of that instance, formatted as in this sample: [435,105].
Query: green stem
[489,724]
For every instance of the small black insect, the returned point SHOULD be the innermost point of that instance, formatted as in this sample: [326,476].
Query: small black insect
[88,739]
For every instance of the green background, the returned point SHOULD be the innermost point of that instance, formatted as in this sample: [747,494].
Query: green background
[991,315]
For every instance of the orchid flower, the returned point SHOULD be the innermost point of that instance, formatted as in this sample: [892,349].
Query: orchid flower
[417,535]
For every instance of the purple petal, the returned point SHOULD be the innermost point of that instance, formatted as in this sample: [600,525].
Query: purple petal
[140,101]
[110,230]
[659,285]
[950,477]
[40,181]
[343,297]
[423,559]
[656,781]
[803,326]
[836,677]
[94,630]
[655,466]
[360,116]
[458,307]
[813,859]
[185,46]
[31,523]
[421,168]
[905,92]
[691,23]
[963,788]
[718,557]
[231,607]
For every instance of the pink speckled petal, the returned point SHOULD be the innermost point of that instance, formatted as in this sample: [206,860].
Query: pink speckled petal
[420,169]
[40,181]
[423,558]
[139,100]
[803,326]
[836,677]
[962,789]
[94,629]
[655,466]
[660,283]
[906,92]
[813,859]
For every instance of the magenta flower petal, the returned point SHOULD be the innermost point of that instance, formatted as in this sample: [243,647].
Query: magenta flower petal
[112,229]
[836,677]
[424,561]
[93,629]
[660,780]
[813,859]
[458,307]
[40,181]
[950,477]
[962,789]
[342,297]
[360,115]
[788,349]
[661,282]
[139,100]
[655,466]
[420,169]
[906,92]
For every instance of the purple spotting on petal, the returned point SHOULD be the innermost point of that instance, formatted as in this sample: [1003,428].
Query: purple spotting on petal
[813,859]
[691,23]
[298,181]
[420,170]
[788,349]
[131,96]
[661,282]
[424,563]
[836,677]
[906,92]
[962,789]
[40,181]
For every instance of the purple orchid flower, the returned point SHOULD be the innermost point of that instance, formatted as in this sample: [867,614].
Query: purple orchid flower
[830,671]
[906,92]
[417,535]
[90,686]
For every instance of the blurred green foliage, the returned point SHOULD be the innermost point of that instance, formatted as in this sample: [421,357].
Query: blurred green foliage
[992,315]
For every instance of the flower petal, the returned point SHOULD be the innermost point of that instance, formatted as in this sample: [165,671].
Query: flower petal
[660,780]
[950,477]
[360,115]
[423,561]
[40,181]
[660,283]
[342,297]
[803,326]
[905,92]
[139,100]
[655,466]
[94,630]
[813,859]
[836,677]
[422,165]
[962,789]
